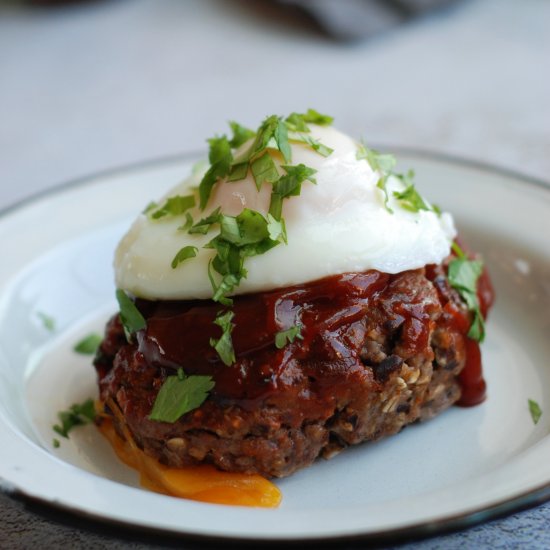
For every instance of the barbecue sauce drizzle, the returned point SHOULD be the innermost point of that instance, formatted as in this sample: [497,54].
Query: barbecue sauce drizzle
[178,333]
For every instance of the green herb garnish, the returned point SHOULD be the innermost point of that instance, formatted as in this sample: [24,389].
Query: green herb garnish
[56,444]
[188,223]
[224,344]
[203,226]
[264,170]
[410,199]
[180,394]
[382,184]
[287,336]
[88,345]
[315,144]
[535,410]
[184,254]
[130,316]
[248,234]
[76,415]
[380,162]
[463,275]
[174,206]
[289,185]
[150,207]
[298,122]
[240,135]
[47,321]
[220,158]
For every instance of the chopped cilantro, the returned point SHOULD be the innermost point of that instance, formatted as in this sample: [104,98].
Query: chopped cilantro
[410,199]
[457,250]
[281,137]
[535,410]
[180,394]
[238,171]
[264,170]
[463,275]
[184,254]
[298,122]
[174,206]
[150,207]
[240,135]
[315,144]
[130,316]
[240,237]
[289,185]
[89,344]
[317,118]
[204,225]
[220,158]
[47,320]
[276,229]
[76,415]
[287,336]
[56,444]
[382,184]
[224,344]
[188,223]
[383,163]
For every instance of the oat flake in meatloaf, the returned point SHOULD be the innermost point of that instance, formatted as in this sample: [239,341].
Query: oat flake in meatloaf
[379,352]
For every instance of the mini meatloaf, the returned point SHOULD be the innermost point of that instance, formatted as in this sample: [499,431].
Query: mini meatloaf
[378,352]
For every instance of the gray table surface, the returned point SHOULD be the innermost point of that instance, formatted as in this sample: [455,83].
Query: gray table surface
[101,84]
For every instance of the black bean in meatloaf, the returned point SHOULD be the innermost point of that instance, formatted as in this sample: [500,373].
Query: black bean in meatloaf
[378,352]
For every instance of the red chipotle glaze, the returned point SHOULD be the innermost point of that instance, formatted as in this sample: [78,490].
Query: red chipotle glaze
[333,313]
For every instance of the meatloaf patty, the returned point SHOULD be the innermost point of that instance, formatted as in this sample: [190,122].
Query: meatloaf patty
[377,352]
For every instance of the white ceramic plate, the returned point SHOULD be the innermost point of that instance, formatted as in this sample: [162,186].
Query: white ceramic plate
[462,467]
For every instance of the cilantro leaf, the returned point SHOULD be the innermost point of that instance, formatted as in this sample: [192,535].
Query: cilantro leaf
[174,206]
[47,320]
[288,336]
[289,185]
[276,229]
[76,415]
[150,207]
[317,118]
[220,158]
[188,223]
[240,134]
[180,394]
[264,170]
[298,122]
[238,171]
[315,144]
[184,254]
[463,275]
[383,163]
[281,137]
[203,226]
[382,184]
[88,345]
[130,316]
[410,199]
[535,410]
[224,344]
[248,234]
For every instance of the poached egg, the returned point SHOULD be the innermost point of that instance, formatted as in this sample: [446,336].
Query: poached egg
[339,224]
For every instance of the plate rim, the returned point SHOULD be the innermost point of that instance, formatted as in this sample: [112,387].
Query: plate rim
[448,524]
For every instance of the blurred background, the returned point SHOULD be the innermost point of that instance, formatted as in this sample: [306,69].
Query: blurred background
[90,85]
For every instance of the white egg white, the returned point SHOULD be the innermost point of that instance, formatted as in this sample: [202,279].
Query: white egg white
[338,225]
